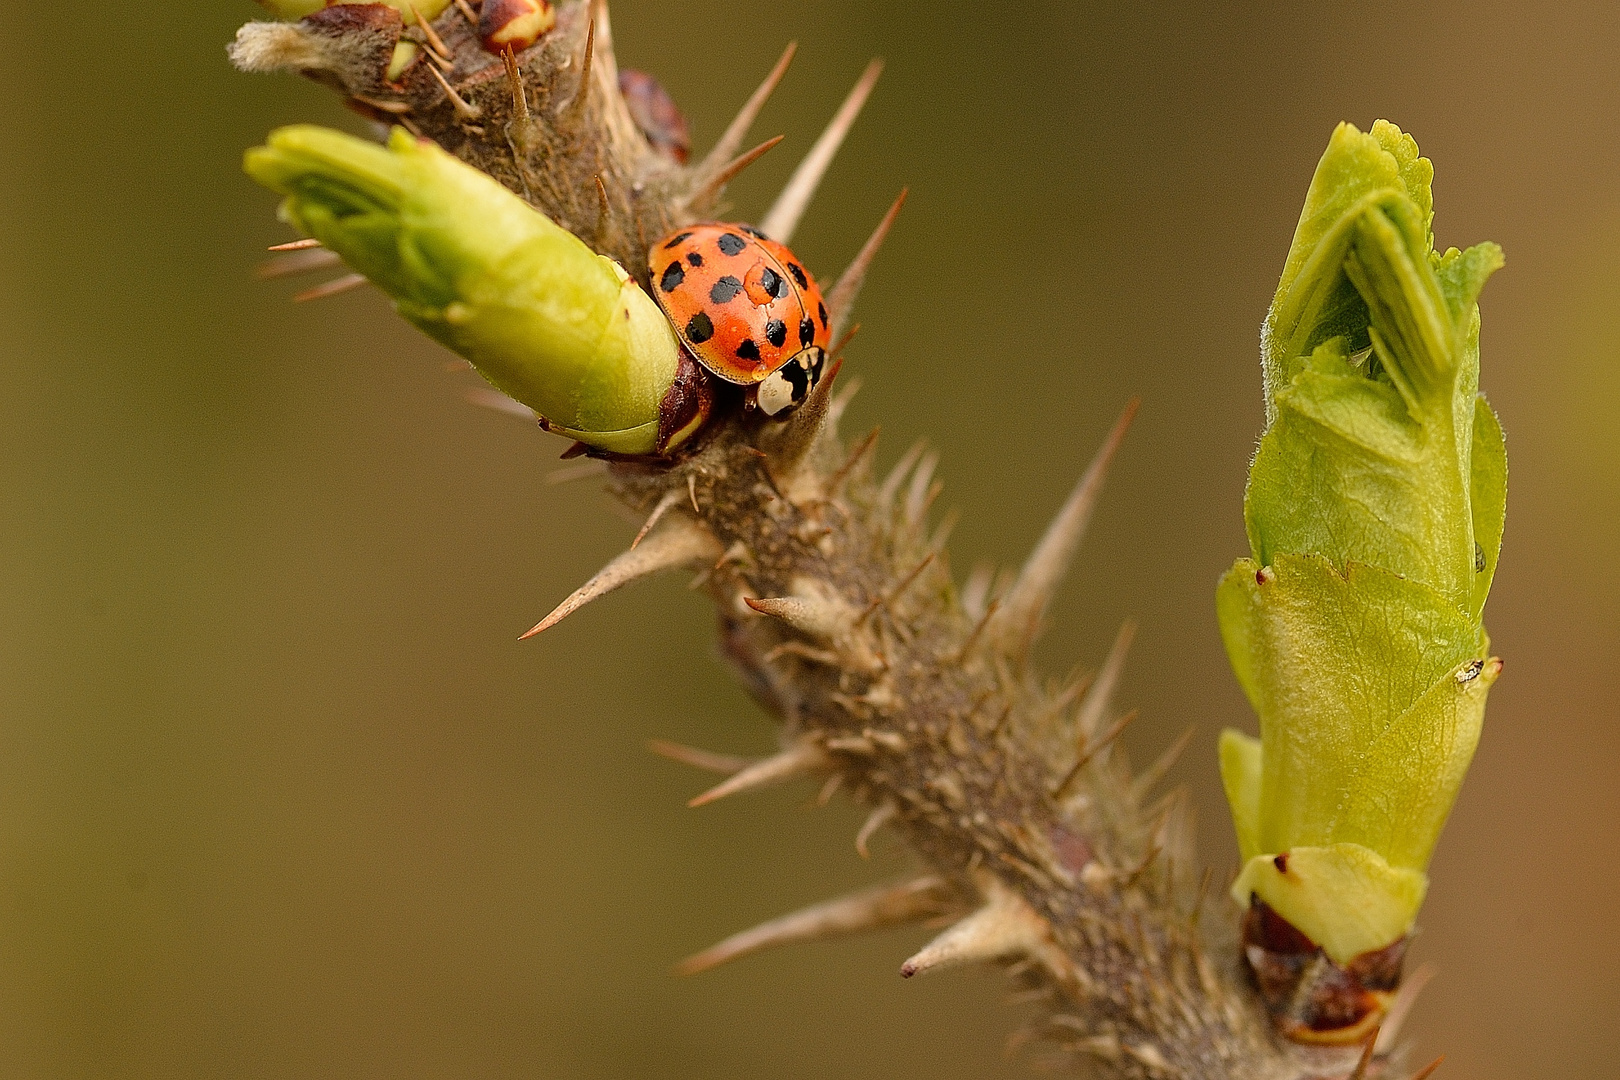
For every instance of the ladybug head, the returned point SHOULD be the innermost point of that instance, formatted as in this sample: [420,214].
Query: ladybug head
[785,389]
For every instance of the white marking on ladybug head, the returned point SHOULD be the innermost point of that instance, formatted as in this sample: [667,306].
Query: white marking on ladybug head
[786,388]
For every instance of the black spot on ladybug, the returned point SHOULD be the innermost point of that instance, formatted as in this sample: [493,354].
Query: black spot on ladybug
[674,240]
[773,283]
[798,275]
[1479,558]
[674,274]
[807,331]
[776,332]
[821,313]
[694,258]
[799,378]
[755,233]
[699,328]
[725,289]
[748,350]
[731,243]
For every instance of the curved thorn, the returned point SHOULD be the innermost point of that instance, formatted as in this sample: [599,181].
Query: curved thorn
[296,245]
[823,619]
[576,105]
[707,760]
[875,821]
[726,148]
[1401,1007]
[873,909]
[841,300]
[807,423]
[331,288]
[678,544]
[805,757]
[1166,761]
[1101,692]
[664,506]
[464,108]
[1025,603]
[705,194]
[1005,926]
[784,217]
[489,398]
[1089,751]
[299,261]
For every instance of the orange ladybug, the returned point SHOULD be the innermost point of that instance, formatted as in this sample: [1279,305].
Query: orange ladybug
[746,308]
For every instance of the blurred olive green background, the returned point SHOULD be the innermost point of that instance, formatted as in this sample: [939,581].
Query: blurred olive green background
[282,796]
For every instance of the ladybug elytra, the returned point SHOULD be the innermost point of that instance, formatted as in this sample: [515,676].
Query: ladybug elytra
[746,309]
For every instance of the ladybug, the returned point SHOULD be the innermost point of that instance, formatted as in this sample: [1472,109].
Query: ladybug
[746,309]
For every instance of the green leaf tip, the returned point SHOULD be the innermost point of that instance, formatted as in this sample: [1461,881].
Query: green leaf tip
[546,320]
[1374,513]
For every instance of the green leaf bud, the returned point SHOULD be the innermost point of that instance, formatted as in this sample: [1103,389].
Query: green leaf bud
[546,320]
[1374,513]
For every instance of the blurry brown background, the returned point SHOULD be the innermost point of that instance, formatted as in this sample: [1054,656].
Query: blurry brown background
[282,796]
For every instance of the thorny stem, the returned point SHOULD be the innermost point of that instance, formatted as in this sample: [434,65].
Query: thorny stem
[838,609]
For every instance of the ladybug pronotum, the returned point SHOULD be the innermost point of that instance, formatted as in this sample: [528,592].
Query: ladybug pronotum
[746,308]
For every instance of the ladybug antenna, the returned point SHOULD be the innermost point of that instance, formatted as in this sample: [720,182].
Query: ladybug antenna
[790,205]
[708,193]
[575,109]
[731,141]
[841,300]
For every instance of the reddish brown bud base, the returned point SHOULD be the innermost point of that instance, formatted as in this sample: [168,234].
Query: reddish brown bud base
[513,25]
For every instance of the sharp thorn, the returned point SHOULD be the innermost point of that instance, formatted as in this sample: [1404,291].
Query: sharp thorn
[834,782]
[520,97]
[897,475]
[691,490]
[727,147]
[976,591]
[708,761]
[978,627]
[1101,693]
[917,494]
[576,105]
[465,109]
[822,619]
[487,398]
[784,217]
[705,194]
[581,471]
[679,543]
[946,526]
[1360,1071]
[664,506]
[843,342]
[841,300]
[297,262]
[1024,604]
[468,13]
[1087,752]
[852,386]
[296,245]
[1004,927]
[1401,1007]
[888,598]
[856,456]
[1166,761]
[331,288]
[876,820]
[435,42]
[807,423]
[604,209]
[873,909]
[1428,1070]
[797,760]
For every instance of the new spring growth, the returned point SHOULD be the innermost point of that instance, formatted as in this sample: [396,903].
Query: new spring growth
[1374,512]
[546,320]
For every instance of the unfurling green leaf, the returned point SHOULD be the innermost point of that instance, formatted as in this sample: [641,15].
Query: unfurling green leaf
[1374,513]
[546,320]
